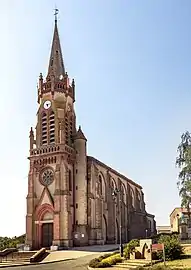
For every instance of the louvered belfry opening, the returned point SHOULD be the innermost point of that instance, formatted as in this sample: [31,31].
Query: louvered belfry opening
[44,130]
[52,127]
[48,128]
[69,129]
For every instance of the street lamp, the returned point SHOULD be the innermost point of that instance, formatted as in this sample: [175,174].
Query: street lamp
[115,194]
[146,233]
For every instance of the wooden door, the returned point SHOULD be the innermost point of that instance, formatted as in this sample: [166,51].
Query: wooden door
[47,234]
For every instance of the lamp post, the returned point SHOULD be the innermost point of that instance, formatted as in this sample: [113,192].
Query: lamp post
[146,231]
[115,194]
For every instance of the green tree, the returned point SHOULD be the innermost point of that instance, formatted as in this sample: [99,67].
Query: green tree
[172,247]
[183,161]
[7,242]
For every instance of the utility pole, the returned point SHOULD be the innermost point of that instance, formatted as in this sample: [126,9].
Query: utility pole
[116,192]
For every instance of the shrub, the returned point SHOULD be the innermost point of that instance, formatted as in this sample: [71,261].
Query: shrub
[173,249]
[105,256]
[105,260]
[130,247]
[104,264]
[113,259]
[94,263]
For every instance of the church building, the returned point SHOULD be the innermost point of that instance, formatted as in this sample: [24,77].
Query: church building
[74,199]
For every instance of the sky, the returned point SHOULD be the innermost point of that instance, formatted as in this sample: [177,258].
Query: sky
[131,60]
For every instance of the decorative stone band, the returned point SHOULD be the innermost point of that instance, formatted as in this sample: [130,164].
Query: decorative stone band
[43,221]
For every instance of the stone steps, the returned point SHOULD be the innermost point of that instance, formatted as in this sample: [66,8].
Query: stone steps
[17,258]
[13,262]
[126,266]
[133,264]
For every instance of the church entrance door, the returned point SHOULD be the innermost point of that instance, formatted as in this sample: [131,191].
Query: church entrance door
[47,234]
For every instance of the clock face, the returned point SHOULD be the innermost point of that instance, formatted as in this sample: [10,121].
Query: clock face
[61,77]
[47,177]
[47,104]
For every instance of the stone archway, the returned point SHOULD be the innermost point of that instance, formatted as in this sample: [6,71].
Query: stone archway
[104,230]
[45,224]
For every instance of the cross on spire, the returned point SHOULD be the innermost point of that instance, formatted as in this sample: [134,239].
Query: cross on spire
[56,13]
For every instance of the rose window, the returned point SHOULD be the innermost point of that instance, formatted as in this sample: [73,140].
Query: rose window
[47,177]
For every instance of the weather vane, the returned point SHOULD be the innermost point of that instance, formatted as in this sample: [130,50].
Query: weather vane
[56,13]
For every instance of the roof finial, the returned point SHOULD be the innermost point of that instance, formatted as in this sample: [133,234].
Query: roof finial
[56,13]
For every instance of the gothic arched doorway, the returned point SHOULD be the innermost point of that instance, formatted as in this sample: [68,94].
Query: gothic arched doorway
[117,234]
[47,230]
[104,229]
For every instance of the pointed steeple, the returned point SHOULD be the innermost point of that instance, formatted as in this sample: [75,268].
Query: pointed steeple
[56,63]
[80,134]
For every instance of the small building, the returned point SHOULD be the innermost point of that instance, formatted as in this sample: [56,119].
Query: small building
[163,229]
[180,222]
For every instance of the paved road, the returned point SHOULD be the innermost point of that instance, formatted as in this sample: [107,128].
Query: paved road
[77,264]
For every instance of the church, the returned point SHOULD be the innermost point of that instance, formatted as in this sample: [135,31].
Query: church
[74,199]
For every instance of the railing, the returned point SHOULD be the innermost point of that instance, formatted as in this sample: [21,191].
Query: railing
[45,150]
[39,255]
[13,255]
[6,252]
[52,149]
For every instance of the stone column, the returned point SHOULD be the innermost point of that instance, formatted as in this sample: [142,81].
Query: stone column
[99,215]
[65,207]
[57,207]
[30,208]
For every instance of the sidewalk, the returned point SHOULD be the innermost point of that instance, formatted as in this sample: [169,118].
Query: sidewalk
[78,252]
[97,248]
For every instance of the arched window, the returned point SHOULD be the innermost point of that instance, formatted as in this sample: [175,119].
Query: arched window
[100,185]
[139,201]
[112,186]
[132,198]
[66,129]
[70,180]
[44,128]
[71,129]
[123,194]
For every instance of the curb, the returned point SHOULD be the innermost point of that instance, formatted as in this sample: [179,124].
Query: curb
[39,263]
[90,268]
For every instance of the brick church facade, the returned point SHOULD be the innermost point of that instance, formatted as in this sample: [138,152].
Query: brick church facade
[74,199]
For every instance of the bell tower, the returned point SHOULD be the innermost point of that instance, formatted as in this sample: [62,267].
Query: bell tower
[54,161]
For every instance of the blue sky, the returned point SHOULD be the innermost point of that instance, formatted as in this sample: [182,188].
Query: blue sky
[131,60]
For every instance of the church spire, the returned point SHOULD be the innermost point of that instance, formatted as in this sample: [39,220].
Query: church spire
[56,63]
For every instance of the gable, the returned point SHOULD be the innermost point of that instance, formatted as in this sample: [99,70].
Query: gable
[46,197]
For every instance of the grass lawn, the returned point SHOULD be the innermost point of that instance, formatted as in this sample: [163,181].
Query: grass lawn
[185,262]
